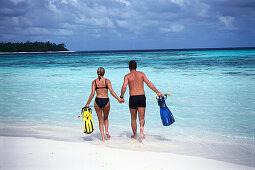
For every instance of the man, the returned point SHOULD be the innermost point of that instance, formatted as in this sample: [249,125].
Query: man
[137,100]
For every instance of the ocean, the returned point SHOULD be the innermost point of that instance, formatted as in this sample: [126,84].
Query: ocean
[212,99]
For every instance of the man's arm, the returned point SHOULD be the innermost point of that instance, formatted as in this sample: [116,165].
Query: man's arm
[151,86]
[124,86]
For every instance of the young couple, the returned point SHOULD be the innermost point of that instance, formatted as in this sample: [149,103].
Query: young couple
[137,100]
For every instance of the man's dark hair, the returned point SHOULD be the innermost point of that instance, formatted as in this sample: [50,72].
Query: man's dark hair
[132,65]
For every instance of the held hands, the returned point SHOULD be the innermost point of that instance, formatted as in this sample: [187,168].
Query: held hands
[121,100]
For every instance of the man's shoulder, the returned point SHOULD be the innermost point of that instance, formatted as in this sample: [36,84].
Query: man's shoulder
[127,75]
[137,73]
[140,72]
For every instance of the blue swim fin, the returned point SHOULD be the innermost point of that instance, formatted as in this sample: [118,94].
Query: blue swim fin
[165,114]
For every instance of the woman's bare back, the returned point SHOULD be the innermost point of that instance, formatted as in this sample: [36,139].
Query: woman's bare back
[102,92]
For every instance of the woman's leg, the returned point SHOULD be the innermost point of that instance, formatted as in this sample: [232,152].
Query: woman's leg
[100,119]
[106,111]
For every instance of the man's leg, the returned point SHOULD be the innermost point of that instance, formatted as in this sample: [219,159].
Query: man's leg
[141,115]
[133,113]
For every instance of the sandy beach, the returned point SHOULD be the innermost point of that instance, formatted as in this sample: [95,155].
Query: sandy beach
[33,153]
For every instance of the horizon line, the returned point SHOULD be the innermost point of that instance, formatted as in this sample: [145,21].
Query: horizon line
[174,49]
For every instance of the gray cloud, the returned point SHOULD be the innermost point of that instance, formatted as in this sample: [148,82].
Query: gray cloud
[122,20]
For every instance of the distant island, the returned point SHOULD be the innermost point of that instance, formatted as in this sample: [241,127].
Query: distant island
[31,47]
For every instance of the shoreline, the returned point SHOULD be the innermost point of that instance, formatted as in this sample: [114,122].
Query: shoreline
[28,152]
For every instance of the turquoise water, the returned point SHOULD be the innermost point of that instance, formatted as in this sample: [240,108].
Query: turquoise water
[213,99]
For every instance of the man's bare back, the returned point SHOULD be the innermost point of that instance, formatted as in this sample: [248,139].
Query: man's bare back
[135,81]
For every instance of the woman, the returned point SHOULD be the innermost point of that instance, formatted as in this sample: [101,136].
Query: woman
[102,103]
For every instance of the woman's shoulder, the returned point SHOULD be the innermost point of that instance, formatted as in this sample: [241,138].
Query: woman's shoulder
[94,80]
[107,80]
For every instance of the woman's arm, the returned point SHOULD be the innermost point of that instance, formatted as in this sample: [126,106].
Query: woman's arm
[112,92]
[91,95]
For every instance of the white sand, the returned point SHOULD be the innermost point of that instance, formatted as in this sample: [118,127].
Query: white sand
[35,154]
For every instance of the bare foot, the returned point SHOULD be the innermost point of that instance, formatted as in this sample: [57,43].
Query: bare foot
[134,136]
[142,133]
[108,135]
[103,140]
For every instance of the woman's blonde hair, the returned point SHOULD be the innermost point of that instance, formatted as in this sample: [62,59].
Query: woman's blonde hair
[100,72]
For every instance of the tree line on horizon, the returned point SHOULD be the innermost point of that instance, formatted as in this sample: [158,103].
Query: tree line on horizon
[31,47]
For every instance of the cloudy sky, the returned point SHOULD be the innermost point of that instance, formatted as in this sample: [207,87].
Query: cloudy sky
[130,24]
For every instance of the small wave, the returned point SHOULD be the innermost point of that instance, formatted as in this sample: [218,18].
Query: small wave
[73,69]
[233,73]
[249,74]
[239,73]
[117,67]
[252,138]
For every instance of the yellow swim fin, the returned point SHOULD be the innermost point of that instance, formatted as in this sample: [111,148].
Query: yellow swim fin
[88,125]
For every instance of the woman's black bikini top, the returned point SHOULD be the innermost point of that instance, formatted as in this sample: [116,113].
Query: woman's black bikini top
[101,87]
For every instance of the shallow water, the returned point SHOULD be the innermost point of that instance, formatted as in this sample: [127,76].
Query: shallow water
[213,100]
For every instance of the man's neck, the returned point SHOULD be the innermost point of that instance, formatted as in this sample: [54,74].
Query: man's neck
[133,70]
